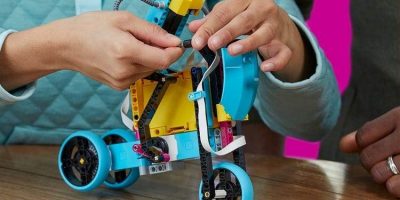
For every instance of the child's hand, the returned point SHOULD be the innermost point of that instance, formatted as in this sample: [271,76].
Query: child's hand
[117,48]
[114,48]
[270,30]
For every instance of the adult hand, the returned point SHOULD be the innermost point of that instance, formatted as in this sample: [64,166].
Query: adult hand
[270,30]
[375,142]
[115,48]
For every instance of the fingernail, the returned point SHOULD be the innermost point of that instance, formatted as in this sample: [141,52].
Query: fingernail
[198,41]
[268,67]
[236,48]
[216,41]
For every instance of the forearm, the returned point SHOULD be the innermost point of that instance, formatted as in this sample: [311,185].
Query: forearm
[26,56]
[308,108]
[109,47]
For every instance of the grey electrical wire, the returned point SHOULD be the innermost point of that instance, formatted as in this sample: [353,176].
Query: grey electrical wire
[116,4]
[154,3]
[205,10]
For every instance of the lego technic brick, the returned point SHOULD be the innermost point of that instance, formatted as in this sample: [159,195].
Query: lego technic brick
[155,168]
[175,114]
[124,157]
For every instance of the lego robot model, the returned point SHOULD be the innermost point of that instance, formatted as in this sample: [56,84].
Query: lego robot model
[194,114]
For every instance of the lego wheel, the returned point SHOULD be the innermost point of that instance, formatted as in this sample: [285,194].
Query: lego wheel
[122,178]
[233,180]
[84,161]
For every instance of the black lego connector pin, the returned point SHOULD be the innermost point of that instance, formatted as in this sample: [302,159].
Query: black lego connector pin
[186,44]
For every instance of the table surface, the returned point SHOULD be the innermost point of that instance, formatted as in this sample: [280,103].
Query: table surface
[30,172]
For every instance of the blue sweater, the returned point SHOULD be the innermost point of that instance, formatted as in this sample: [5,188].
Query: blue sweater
[47,111]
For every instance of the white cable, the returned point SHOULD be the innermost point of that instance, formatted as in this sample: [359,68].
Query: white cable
[238,141]
[124,113]
[202,118]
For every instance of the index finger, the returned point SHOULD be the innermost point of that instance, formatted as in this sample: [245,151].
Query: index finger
[377,129]
[221,15]
[348,143]
[154,57]
[151,33]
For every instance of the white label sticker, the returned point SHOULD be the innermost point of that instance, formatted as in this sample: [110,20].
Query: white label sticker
[158,168]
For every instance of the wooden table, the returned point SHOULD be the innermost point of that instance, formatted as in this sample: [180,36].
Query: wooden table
[30,172]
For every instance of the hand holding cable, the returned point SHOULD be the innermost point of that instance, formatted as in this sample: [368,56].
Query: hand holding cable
[115,48]
[269,29]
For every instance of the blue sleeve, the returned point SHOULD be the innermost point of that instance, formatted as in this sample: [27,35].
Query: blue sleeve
[307,109]
[7,97]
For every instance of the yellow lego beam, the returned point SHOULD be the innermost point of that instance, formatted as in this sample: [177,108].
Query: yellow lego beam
[183,7]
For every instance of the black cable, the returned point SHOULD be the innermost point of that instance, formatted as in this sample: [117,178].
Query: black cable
[116,4]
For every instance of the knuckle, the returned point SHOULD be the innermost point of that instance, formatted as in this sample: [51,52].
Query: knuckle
[253,42]
[270,31]
[119,50]
[378,173]
[222,13]
[365,158]
[249,18]
[164,62]
[122,51]
[221,9]
[249,43]
[228,34]
[288,51]
[155,29]
[364,130]
[270,8]
[209,31]
[123,17]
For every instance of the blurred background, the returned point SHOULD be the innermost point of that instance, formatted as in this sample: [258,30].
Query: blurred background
[330,23]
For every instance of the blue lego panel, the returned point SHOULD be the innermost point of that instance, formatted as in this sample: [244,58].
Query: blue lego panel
[158,16]
[123,157]
[241,76]
[188,145]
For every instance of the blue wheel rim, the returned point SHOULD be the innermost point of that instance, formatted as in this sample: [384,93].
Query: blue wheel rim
[84,161]
[242,177]
[123,178]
